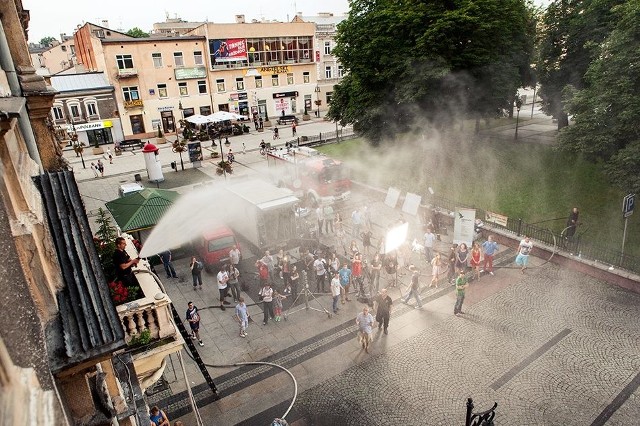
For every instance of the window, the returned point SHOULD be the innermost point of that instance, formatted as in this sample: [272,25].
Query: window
[162,91]
[92,108]
[57,113]
[329,96]
[205,110]
[202,87]
[258,82]
[305,77]
[220,85]
[75,110]
[239,83]
[130,93]
[290,78]
[327,72]
[157,59]
[327,48]
[197,58]
[275,81]
[182,88]
[124,62]
[340,71]
[178,59]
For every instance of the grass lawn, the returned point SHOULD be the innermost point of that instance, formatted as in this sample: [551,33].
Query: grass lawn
[533,182]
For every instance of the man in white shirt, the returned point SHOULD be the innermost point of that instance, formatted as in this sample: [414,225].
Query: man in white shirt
[234,256]
[336,289]
[429,241]
[524,249]
[223,278]
[319,267]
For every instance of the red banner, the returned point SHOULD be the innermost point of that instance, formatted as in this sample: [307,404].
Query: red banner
[229,50]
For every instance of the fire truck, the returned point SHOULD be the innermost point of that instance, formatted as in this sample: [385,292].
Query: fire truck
[312,175]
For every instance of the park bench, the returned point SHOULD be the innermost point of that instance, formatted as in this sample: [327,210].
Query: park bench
[286,119]
[134,143]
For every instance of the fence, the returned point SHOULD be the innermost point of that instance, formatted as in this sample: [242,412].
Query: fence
[323,137]
[574,245]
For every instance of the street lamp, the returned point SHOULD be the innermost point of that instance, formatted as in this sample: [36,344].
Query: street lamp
[318,102]
[518,106]
[78,147]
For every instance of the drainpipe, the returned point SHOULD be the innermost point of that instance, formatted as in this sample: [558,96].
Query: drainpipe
[24,123]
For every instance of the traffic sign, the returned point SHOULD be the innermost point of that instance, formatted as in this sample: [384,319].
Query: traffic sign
[628,203]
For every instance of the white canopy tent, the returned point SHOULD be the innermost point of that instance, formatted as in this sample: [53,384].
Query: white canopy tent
[225,115]
[199,119]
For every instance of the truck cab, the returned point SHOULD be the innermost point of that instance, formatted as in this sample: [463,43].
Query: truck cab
[213,247]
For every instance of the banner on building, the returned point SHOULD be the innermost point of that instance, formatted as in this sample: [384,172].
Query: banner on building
[463,226]
[228,50]
[496,218]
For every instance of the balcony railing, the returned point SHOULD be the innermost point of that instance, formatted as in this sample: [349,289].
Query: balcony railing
[127,72]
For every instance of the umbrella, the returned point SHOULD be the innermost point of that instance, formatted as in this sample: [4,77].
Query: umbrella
[225,115]
[198,119]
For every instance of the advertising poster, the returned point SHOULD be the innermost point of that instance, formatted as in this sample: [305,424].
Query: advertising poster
[411,203]
[463,226]
[195,151]
[393,194]
[228,50]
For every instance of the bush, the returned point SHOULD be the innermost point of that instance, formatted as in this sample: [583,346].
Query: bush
[122,294]
[141,339]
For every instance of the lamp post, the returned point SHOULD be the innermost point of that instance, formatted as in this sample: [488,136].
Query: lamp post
[78,146]
[518,106]
[317,90]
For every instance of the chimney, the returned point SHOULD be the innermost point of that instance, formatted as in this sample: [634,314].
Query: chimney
[240,19]
[105,23]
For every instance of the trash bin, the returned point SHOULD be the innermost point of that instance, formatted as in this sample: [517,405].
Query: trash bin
[137,177]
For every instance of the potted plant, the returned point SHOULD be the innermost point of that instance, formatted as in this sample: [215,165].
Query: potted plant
[224,167]
[160,136]
[306,116]
[97,149]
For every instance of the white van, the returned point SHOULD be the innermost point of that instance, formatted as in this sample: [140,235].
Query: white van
[129,188]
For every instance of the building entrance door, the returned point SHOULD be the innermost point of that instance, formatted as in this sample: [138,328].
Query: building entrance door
[168,122]
[137,124]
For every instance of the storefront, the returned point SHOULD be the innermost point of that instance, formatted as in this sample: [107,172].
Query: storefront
[285,103]
[167,119]
[90,133]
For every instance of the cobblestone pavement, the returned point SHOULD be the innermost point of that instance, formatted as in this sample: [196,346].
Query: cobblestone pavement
[426,379]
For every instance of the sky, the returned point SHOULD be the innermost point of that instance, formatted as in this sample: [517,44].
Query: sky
[63,16]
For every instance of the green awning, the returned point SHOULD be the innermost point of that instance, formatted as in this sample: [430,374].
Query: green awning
[141,210]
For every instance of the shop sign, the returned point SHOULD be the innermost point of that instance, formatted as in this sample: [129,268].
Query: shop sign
[133,104]
[189,73]
[242,96]
[275,70]
[165,108]
[285,95]
[90,126]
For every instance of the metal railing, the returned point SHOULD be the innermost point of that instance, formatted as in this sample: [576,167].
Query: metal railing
[575,245]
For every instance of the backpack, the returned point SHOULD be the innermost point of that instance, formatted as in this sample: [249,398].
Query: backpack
[198,266]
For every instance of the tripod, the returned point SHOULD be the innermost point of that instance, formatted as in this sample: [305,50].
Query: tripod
[306,293]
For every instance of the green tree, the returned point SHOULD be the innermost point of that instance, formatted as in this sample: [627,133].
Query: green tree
[47,41]
[137,33]
[105,243]
[571,33]
[416,59]
[606,111]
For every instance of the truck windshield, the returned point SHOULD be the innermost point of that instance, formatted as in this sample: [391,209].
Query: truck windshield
[221,243]
[333,173]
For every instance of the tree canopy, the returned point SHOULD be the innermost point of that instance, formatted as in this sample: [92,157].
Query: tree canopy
[47,41]
[571,33]
[606,111]
[137,33]
[413,59]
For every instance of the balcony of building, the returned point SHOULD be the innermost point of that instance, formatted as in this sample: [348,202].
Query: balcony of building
[126,73]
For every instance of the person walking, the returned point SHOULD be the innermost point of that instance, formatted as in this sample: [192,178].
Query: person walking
[193,317]
[383,309]
[461,286]
[276,134]
[336,291]
[277,305]
[94,169]
[413,290]
[223,279]
[489,248]
[365,321]
[376,267]
[293,128]
[452,263]
[100,167]
[196,268]
[525,247]
[266,294]
[242,316]
[109,156]
[166,257]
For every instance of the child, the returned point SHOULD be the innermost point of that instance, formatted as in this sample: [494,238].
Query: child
[277,305]
[242,316]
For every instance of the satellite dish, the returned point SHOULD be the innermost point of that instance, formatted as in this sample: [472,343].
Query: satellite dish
[297,184]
